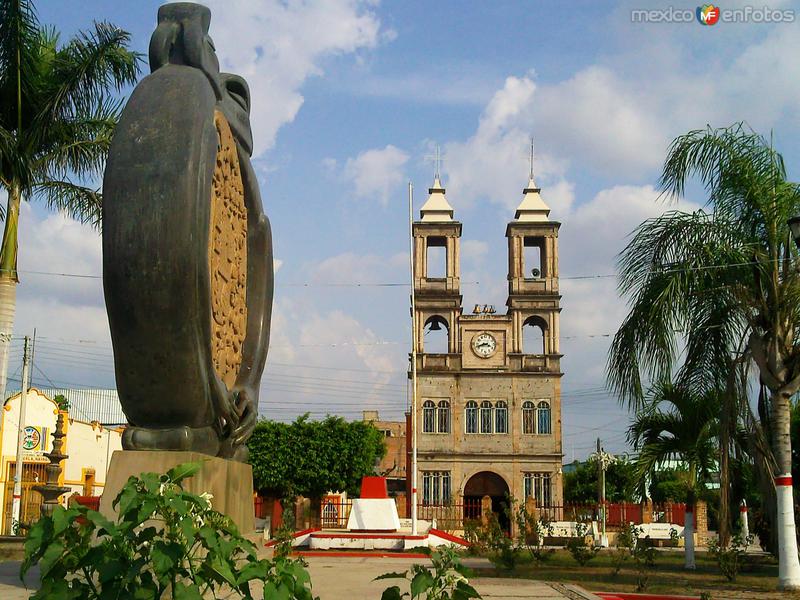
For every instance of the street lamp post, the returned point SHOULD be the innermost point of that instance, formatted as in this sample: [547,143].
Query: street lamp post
[603,460]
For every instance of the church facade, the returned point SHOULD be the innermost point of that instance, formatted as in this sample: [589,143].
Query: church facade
[489,403]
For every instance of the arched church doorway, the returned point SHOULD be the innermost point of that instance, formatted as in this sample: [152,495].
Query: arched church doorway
[489,484]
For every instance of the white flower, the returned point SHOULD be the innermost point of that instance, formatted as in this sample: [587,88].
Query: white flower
[207,496]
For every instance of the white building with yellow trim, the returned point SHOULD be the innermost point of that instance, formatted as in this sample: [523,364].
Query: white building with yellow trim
[88,444]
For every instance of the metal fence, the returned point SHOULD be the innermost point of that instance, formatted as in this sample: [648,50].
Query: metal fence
[451,516]
[334,512]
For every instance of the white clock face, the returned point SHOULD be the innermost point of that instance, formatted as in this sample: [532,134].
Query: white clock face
[484,345]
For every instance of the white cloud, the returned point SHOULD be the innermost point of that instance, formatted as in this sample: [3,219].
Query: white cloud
[52,243]
[278,45]
[473,250]
[596,115]
[360,369]
[616,118]
[376,173]
[494,162]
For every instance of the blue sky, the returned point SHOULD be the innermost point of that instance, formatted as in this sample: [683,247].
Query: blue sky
[348,99]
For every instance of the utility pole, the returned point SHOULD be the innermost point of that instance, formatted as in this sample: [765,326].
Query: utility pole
[413,362]
[18,469]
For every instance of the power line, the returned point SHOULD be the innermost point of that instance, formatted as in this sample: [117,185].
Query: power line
[668,269]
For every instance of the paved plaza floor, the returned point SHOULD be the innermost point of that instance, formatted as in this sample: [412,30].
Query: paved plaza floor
[352,579]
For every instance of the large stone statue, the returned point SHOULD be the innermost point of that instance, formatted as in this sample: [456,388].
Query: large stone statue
[187,250]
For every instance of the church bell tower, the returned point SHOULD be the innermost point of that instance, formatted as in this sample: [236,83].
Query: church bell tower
[437,287]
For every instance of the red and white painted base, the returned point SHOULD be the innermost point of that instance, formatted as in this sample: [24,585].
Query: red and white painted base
[397,542]
[338,540]
[788,563]
[744,521]
[373,525]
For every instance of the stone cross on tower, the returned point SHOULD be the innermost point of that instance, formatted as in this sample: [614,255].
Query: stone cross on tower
[531,157]
[437,161]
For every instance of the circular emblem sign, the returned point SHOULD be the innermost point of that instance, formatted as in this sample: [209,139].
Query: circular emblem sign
[31,438]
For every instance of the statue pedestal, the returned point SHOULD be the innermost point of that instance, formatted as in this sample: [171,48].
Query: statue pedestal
[230,482]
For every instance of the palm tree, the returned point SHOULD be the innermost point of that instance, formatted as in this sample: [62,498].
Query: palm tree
[57,115]
[677,424]
[719,286]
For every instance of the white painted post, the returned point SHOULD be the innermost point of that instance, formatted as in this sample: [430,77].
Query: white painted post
[413,363]
[745,523]
[788,565]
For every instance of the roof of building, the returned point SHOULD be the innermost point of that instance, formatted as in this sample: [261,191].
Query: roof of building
[532,208]
[436,208]
[88,404]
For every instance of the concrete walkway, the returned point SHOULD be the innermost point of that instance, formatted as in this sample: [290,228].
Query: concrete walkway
[352,579]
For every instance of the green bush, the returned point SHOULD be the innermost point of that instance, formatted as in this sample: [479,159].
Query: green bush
[581,550]
[531,531]
[446,581]
[730,559]
[631,546]
[165,541]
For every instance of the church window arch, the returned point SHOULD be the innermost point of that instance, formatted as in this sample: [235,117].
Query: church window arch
[428,417]
[486,417]
[436,335]
[528,417]
[534,332]
[471,417]
[443,420]
[544,425]
[501,417]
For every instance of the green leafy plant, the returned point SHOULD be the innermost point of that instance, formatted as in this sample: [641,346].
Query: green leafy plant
[62,401]
[474,534]
[491,540]
[729,559]
[631,546]
[580,547]
[447,580]
[531,532]
[166,542]
[284,538]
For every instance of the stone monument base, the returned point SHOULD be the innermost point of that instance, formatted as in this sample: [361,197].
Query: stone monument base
[230,482]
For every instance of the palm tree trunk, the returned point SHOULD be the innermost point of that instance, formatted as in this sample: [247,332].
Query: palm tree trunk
[688,523]
[8,283]
[788,563]
[724,464]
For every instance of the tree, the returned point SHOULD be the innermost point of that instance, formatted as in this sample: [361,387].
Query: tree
[309,458]
[580,484]
[57,115]
[677,424]
[720,287]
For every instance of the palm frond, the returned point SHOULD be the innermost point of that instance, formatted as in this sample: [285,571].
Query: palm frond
[77,201]
[77,146]
[92,64]
[672,271]
[19,27]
